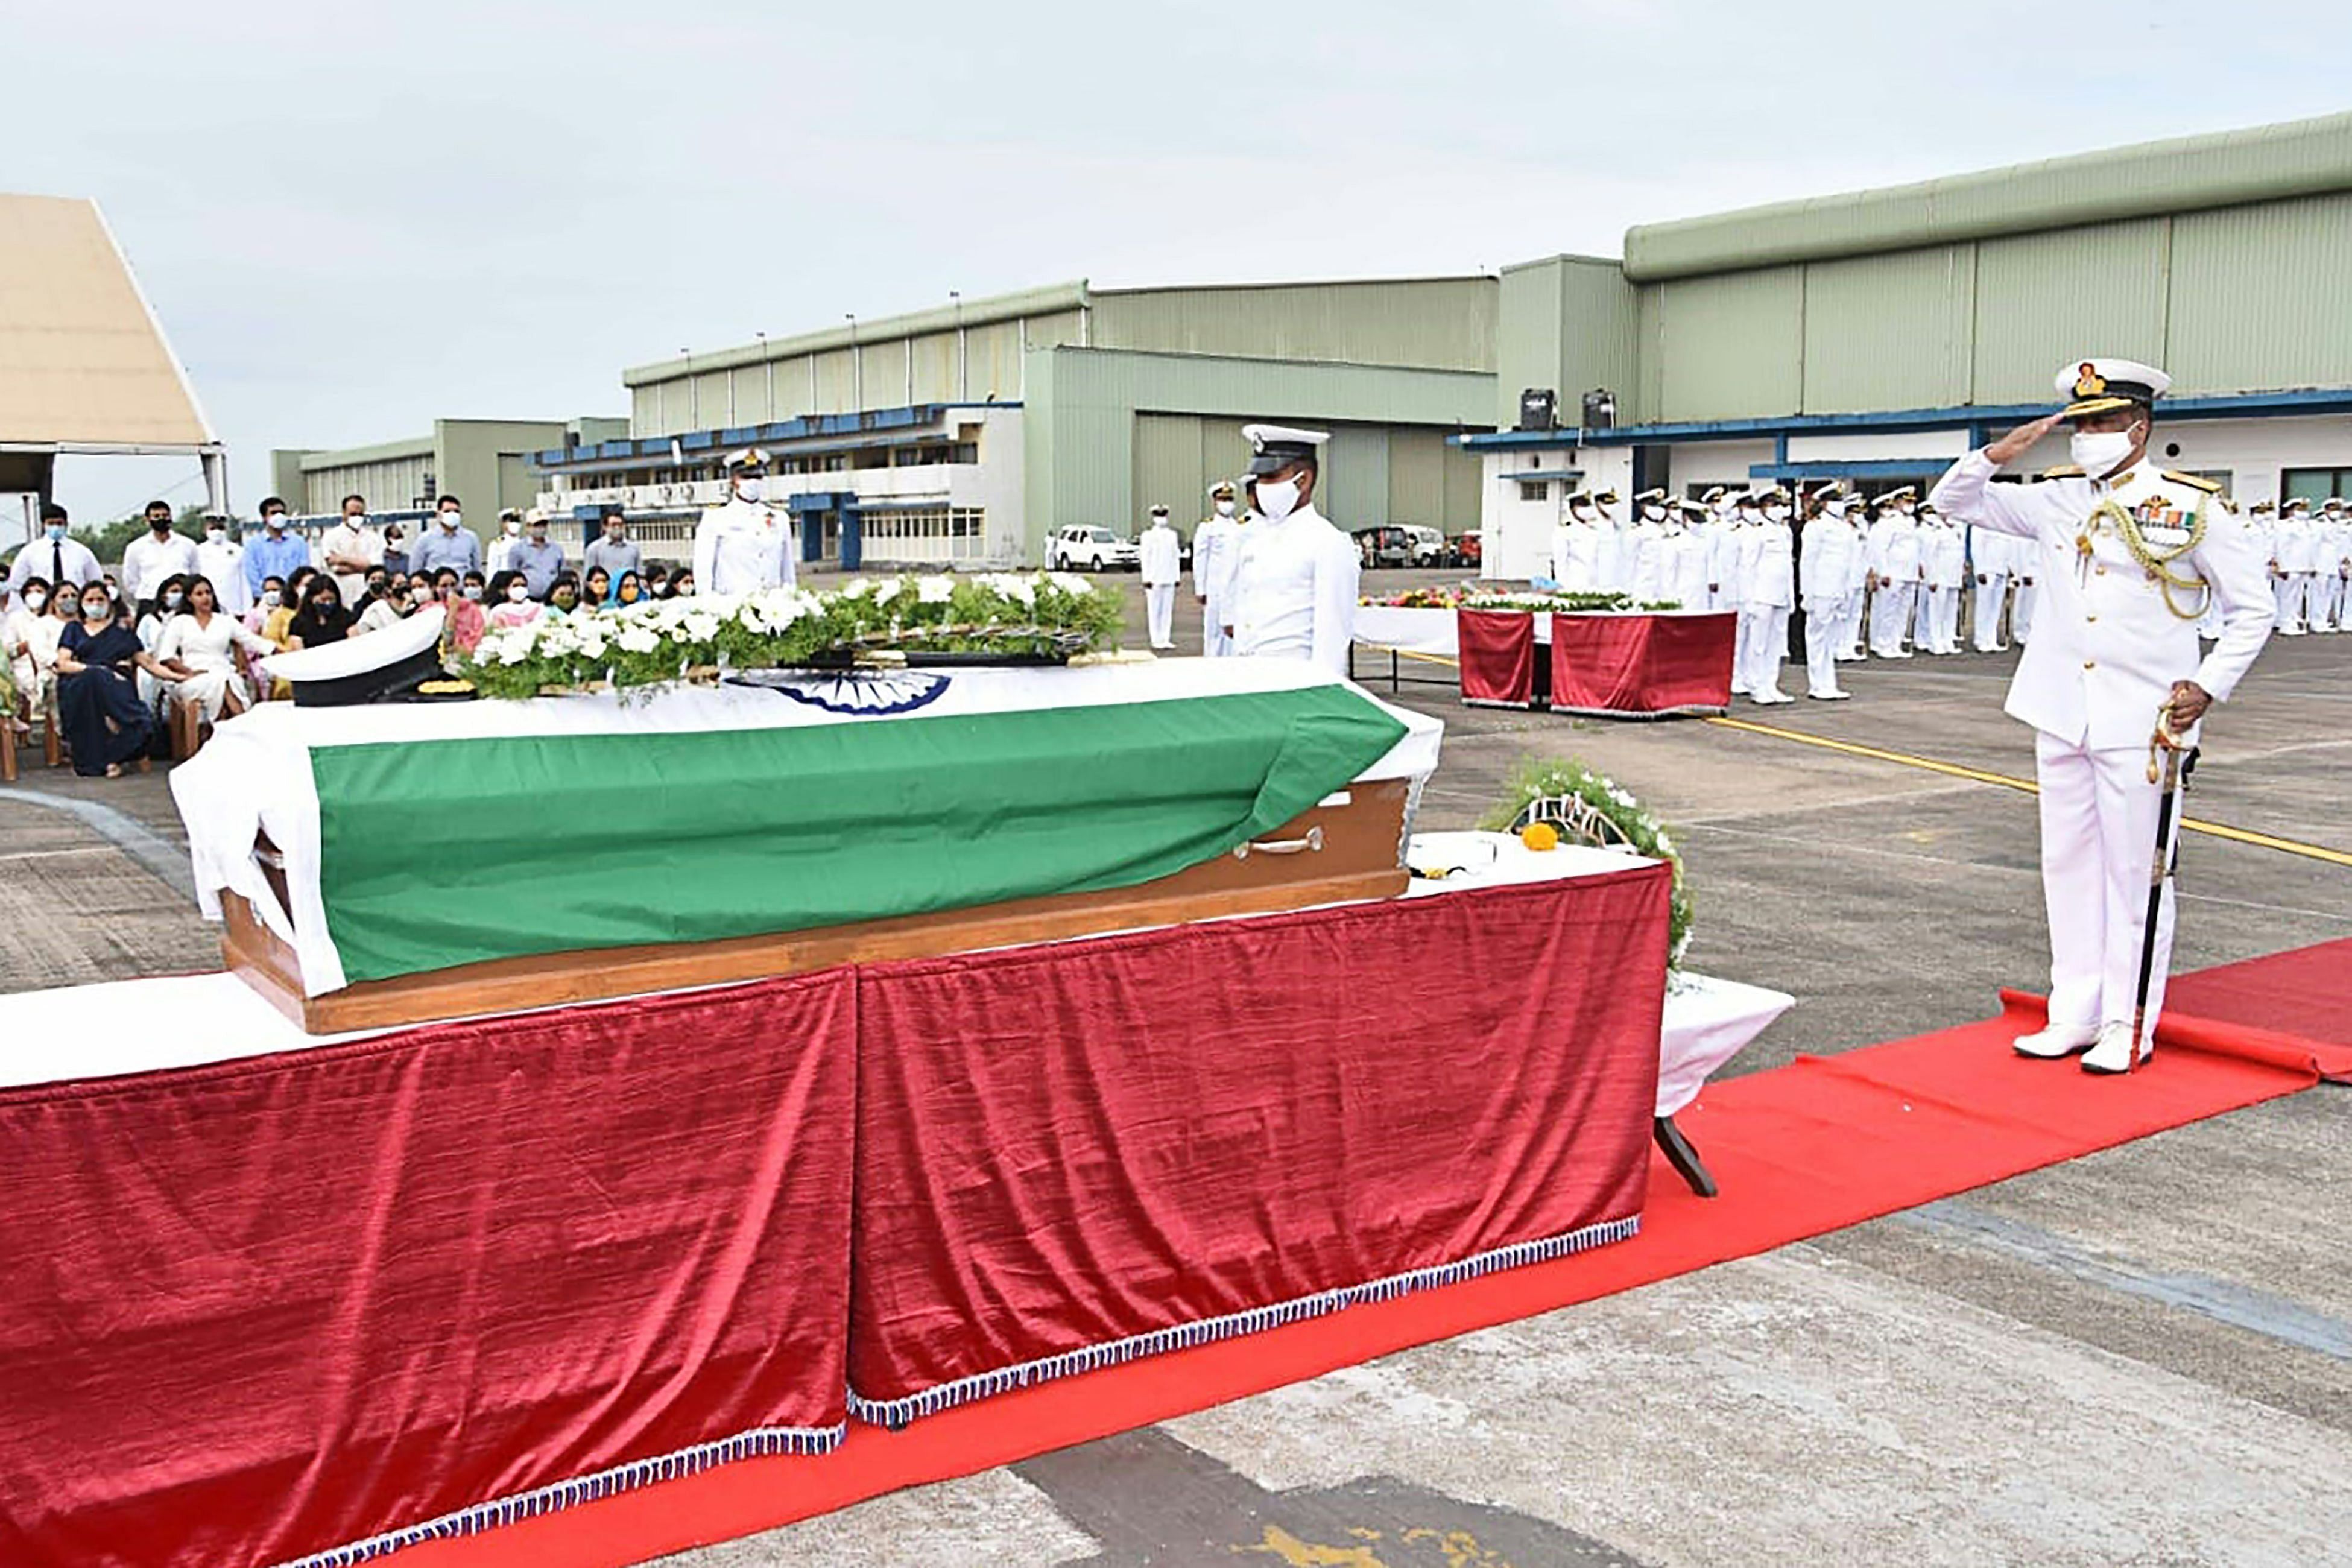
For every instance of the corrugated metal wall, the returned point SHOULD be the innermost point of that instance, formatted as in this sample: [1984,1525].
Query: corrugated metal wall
[1442,323]
[1889,328]
[1167,468]
[1729,345]
[2261,297]
[2045,298]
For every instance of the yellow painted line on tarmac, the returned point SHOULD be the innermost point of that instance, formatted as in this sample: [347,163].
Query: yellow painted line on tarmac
[1978,775]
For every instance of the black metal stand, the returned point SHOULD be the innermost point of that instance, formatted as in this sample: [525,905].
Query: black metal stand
[1683,1155]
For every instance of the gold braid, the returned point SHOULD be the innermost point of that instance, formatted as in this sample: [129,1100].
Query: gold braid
[2157,561]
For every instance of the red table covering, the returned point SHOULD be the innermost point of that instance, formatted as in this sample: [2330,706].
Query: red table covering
[1498,651]
[283,1307]
[1641,664]
[1071,1155]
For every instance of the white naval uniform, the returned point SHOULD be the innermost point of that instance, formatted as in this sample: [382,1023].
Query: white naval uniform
[1827,575]
[1895,556]
[1161,564]
[1942,550]
[2335,552]
[1216,542]
[743,546]
[1683,575]
[2291,548]
[1294,590]
[1576,556]
[1988,556]
[224,565]
[2092,681]
[1646,562]
[1764,613]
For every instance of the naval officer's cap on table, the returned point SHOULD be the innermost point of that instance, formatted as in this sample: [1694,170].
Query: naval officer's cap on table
[1273,448]
[2099,386]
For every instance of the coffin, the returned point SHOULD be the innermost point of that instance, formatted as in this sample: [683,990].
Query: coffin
[1050,805]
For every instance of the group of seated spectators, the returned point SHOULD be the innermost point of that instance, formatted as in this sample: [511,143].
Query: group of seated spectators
[114,667]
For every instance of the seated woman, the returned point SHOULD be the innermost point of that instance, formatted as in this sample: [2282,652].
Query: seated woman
[466,621]
[681,583]
[98,705]
[401,600]
[510,601]
[596,588]
[657,582]
[564,594]
[28,648]
[154,615]
[198,647]
[320,618]
[629,590]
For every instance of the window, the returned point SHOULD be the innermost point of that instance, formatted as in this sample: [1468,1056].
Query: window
[2315,485]
[1535,490]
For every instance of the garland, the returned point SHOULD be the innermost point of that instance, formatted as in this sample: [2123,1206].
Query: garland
[1562,600]
[646,644]
[1539,778]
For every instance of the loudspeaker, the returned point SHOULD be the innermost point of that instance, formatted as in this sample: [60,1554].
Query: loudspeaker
[1538,408]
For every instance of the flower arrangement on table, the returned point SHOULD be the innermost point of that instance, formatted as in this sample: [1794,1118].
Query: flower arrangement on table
[1436,596]
[1463,596]
[1007,614]
[1605,801]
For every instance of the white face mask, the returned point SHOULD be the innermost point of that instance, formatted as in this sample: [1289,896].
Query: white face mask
[172,600]
[34,601]
[2099,453]
[269,597]
[1224,509]
[751,490]
[215,533]
[512,528]
[1776,514]
[450,520]
[518,592]
[1654,513]
[1278,499]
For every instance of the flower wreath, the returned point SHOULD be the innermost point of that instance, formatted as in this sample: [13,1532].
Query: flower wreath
[1540,780]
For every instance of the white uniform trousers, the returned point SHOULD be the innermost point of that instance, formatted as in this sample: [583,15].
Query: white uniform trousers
[1740,627]
[2287,592]
[1826,624]
[1936,617]
[1160,613]
[2099,848]
[1764,632]
[1890,616]
[2021,611]
[1215,643]
[1990,594]
[2309,604]
[1848,641]
[2336,593]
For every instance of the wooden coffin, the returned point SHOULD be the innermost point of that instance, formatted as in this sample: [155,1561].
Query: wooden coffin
[1349,847]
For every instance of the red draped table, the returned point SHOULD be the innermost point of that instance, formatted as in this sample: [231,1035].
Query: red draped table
[1629,666]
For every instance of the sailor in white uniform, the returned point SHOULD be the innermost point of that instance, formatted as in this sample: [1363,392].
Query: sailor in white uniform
[2334,565]
[1943,560]
[1684,554]
[1895,571]
[1295,583]
[1161,564]
[1216,547]
[1646,555]
[745,545]
[1581,555]
[2128,554]
[1828,576]
[1768,562]
[1989,558]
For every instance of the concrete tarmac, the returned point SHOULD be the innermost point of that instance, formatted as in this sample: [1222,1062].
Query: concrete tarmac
[2141,1356]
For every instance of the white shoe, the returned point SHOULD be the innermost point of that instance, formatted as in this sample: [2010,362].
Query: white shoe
[2112,1054]
[1829,696]
[1769,699]
[2056,1041]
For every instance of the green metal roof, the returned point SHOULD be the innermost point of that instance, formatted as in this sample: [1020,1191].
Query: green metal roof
[2189,174]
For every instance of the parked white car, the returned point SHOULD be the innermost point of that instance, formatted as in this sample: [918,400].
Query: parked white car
[1090,547]
[1428,544]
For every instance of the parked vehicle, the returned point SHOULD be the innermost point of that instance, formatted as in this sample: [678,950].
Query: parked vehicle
[1385,546]
[1466,549]
[1428,544]
[1090,547]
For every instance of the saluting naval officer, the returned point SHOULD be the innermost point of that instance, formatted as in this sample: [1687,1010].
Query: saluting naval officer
[2127,555]
[1295,581]
[745,543]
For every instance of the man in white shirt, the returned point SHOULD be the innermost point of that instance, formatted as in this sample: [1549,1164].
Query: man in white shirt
[350,547]
[745,545]
[1216,549]
[1161,564]
[163,551]
[1767,561]
[1827,581]
[1895,569]
[222,560]
[56,557]
[1294,586]
[2112,676]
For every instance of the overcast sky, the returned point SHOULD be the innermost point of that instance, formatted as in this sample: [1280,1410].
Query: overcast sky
[353,219]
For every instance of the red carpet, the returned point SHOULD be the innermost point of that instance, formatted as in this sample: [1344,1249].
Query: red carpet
[1823,1144]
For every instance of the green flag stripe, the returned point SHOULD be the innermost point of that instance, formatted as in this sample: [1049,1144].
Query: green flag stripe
[450,852]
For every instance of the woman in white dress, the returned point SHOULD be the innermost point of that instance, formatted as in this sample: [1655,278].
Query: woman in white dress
[196,647]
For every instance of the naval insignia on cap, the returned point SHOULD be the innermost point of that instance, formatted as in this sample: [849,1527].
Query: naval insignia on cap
[2094,386]
[1277,447]
[748,458]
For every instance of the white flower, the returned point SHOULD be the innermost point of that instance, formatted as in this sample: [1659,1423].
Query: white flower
[888,589]
[513,652]
[639,638]
[1069,583]
[935,590]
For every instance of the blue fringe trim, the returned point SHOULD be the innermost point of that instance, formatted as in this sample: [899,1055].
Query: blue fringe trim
[757,1442]
[1183,1336]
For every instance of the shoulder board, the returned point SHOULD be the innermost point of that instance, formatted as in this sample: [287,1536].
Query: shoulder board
[2208,486]
[2064,471]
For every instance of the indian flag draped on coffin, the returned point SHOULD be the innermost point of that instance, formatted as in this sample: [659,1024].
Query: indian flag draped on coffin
[418,838]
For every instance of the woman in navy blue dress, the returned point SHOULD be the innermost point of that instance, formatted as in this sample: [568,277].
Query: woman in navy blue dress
[97,699]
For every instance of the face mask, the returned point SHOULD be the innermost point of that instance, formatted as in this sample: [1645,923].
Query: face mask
[2099,453]
[1278,499]
[378,589]
[450,520]
[538,537]
[269,597]
[512,528]
[1224,509]
[420,595]
[94,609]
[473,592]
[215,533]
[751,490]
[1776,514]
[328,604]
[34,601]
[517,593]
[355,520]
[615,535]
[56,531]
[275,523]
[564,599]
[160,525]
[171,601]
[1653,513]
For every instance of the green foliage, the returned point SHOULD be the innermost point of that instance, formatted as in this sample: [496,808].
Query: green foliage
[1001,613]
[1543,778]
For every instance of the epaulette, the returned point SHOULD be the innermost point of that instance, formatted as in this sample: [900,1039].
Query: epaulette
[2063,472]
[2209,485]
